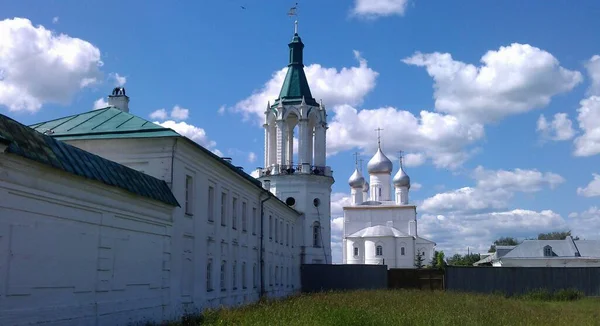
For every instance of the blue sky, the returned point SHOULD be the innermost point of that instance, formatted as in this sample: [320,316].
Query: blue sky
[482,162]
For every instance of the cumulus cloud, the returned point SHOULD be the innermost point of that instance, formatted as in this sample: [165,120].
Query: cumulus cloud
[39,66]
[560,128]
[55,19]
[585,224]
[100,104]
[251,157]
[379,8]
[177,113]
[118,79]
[516,180]
[588,144]
[192,132]
[333,86]
[511,80]
[442,138]
[593,70]
[592,189]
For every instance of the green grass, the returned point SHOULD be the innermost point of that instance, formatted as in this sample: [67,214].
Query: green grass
[406,307]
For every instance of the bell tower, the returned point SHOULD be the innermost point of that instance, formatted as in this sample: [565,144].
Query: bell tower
[294,158]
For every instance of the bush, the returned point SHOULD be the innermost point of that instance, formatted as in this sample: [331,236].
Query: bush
[560,295]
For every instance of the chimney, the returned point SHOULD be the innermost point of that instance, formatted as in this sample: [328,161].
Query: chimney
[267,185]
[118,99]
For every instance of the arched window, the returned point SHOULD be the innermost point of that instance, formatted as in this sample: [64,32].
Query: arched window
[379,250]
[355,251]
[402,251]
[316,234]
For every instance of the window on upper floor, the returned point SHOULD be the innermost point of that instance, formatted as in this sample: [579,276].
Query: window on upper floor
[223,208]
[287,234]
[292,231]
[234,275]
[244,275]
[316,232]
[379,250]
[223,271]
[189,194]
[276,230]
[355,251]
[211,204]
[254,220]
[402,251]
[270,227]
[234,213]
[244,216]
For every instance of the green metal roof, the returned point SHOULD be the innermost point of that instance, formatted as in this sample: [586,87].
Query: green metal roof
[109,122]
[28,143]
[295,86]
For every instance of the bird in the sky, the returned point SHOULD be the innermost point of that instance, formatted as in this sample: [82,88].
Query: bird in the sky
[242,7]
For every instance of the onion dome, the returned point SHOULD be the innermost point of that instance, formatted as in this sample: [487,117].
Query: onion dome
[401,179]
[356,179]
[380,163]
[366,186]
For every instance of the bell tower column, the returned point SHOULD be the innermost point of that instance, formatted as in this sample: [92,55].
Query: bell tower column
[281,140]
[303,141]
[320,149]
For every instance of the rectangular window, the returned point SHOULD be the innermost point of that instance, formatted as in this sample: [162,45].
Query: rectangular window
[209,275]
[244,275]
[254,276]
[223,206]
[234,213]
[276,275]
[234,274]
[211,203]
[356,251]
[402,251]
[276,230]
[270,227]
[292,236]
[189,193]
[244,216]
[223,266]
[254,220]
[281,232]
[287,234]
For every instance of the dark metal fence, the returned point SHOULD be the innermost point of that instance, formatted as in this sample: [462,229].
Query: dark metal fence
[424,279]
[518,280]
[324,277]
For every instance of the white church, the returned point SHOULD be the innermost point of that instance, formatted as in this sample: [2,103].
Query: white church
[107,218]
[378,229]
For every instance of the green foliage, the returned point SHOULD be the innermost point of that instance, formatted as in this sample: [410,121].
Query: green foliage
[504,241]
[405,307]
[437,261]
[466,260]
[560,295]
[555,236]
[419,260]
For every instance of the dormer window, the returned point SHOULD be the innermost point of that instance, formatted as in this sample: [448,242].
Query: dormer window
[547,251]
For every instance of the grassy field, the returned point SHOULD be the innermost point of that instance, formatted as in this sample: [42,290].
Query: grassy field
[405,307]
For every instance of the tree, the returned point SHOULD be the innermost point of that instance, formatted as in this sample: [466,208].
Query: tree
[555,235]
[466,260]
[504,241]
[437,261]
[419,260]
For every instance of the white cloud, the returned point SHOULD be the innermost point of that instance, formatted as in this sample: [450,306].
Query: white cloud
[593,70]
[377,8]
[454,233]
[588,143]
[192,132]
[160,114]
[55,20]
[334,87]
[100,104]
[41,67]
[118,79]
[251,157]
[338,201]
[586,223]
[177,113]
[415,186]
[413,159]
[592,189]
[222,109]
[561,127]
[516,180]
[512,80]
[442,138]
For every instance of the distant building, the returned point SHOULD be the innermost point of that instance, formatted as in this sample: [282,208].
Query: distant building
[548,253]
[379,229]
[487,259]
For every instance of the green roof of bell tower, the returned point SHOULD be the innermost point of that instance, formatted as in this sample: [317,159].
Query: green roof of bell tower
[295,86]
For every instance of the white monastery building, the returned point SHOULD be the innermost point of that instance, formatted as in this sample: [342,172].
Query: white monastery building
[381,228]
[130,221]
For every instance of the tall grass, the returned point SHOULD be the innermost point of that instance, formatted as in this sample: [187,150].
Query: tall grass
[406,307]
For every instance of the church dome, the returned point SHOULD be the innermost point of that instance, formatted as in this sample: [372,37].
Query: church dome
[356,179]
[366,186]
[380,163]
[401,179]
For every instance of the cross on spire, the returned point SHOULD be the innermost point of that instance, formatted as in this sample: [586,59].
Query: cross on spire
[378,137]
[400,156]
[360,162]
[355,158]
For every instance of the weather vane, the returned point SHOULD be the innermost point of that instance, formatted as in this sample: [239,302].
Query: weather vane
[293,13]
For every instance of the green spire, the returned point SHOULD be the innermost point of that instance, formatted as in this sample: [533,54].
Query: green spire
[295,86]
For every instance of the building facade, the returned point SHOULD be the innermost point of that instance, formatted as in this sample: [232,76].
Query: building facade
[300,178]
[380,228]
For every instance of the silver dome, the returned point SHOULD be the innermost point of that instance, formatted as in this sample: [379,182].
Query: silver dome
[366,186]
[380,163]
[356,179]
[401,179]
